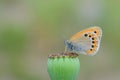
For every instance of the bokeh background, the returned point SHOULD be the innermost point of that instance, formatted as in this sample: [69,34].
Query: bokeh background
[32,29]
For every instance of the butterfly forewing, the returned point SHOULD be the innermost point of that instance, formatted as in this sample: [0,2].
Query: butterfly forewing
[96,30]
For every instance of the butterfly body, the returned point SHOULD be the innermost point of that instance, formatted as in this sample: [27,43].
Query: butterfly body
[85,42]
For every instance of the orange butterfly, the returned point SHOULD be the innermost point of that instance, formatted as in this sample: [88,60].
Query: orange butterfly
[85,42]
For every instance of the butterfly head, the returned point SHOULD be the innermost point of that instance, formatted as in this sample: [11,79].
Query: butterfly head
[69,46]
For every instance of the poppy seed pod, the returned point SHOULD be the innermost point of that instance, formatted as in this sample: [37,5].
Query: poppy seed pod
[63,66]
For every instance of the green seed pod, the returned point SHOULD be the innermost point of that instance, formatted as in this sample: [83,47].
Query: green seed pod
[64,66]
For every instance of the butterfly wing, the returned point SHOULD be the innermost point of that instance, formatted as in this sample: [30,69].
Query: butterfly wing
[86,41]
[96,30]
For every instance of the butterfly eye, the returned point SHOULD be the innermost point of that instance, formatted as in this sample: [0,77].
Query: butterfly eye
[85,35]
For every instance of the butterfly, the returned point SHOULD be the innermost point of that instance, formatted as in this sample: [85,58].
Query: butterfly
[85,42]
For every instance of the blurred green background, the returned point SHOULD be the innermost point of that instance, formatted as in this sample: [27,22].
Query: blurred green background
[32,29]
